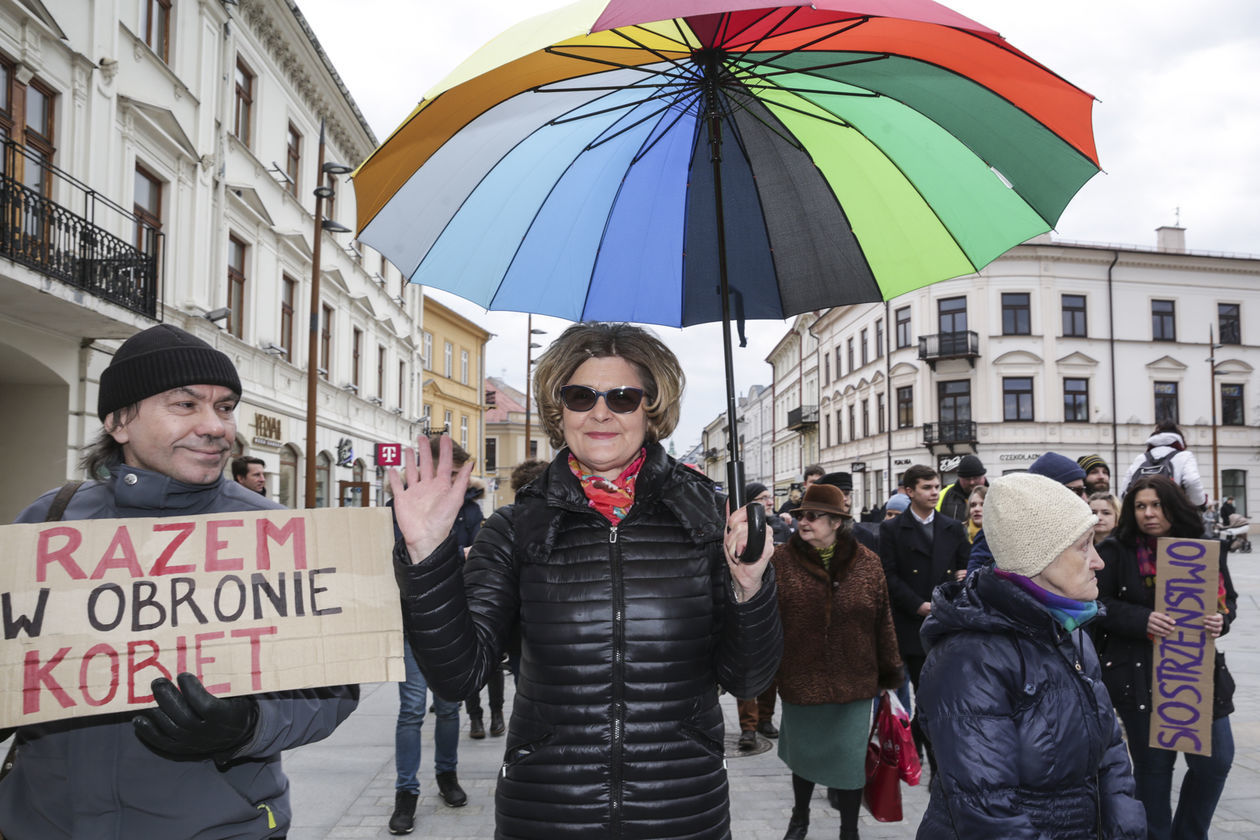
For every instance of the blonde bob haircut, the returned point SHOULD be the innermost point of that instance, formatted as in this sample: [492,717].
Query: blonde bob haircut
[656,365]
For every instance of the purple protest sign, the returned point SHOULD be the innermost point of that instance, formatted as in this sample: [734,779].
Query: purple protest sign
[1186,585]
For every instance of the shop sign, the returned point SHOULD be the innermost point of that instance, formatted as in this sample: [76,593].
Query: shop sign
[267,430]
[389,455]
[857,467]
[345,452]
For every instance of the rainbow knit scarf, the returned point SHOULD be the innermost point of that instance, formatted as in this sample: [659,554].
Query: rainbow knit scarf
[1068,611]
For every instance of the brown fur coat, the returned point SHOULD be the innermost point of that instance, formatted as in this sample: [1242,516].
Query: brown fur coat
[838,639]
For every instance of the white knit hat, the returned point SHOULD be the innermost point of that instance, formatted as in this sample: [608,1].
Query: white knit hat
[1029,520]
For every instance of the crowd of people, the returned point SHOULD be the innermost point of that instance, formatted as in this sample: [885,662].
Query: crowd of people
[1013,616]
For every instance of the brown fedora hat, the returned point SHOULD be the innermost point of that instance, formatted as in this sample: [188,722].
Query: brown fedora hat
[823,498]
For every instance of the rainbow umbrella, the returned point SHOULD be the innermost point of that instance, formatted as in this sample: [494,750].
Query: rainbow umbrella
[673,161]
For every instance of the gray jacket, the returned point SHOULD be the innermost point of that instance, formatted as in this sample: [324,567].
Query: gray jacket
[93,778]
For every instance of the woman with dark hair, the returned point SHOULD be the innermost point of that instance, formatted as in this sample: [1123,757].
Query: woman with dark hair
[620,572]
[1155,507]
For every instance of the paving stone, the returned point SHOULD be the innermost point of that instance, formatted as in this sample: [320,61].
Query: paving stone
[343,787]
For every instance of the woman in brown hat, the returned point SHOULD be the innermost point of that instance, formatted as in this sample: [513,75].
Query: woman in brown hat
[839,648]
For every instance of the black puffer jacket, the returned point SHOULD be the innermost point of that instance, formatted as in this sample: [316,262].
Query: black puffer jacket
[626,634]
[1026,741]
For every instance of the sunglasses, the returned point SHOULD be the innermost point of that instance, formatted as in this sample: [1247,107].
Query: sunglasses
[809,515]
[618,400]
[1080,491]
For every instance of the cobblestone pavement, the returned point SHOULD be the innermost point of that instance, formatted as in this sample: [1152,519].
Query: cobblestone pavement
[343,787]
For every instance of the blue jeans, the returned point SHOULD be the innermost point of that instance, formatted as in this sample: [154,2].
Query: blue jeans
[412,704]
[1200,789]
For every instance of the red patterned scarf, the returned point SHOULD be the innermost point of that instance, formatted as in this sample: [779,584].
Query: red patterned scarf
[611,498]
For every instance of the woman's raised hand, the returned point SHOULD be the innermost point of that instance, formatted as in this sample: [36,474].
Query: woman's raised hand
[428,496]
[745,576]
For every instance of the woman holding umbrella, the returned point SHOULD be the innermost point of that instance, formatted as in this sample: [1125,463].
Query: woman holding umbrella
[622,576]
[840,650]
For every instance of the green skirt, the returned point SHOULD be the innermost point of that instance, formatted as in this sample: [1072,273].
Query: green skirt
[827,744]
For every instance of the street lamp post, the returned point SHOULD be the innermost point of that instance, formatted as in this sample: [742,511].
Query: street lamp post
[529,366]
[1216,467]
[322,191]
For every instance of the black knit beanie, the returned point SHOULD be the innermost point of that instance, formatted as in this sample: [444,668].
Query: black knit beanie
[157,360]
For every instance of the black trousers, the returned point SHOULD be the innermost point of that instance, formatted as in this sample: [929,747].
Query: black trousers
[494,685]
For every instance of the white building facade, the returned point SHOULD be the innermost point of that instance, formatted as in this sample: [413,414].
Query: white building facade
[795,441]
[756,434]
[160,166]
[1070,347]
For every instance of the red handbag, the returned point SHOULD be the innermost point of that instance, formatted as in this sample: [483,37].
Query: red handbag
[882,793]
[898,728]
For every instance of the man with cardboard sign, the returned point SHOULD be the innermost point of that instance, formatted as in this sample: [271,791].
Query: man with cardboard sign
[195,589]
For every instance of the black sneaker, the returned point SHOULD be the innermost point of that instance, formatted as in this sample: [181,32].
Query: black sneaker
[450,791]
[767,728]
[403,820]
[747,740]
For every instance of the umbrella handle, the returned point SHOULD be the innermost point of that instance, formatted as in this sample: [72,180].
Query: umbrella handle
[756,533]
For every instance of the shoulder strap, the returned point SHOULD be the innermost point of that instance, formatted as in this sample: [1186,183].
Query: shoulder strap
[62,500]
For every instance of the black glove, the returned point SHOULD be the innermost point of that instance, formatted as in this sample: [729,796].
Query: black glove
[191,722]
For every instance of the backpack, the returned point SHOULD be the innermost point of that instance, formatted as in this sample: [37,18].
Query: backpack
[1161,466]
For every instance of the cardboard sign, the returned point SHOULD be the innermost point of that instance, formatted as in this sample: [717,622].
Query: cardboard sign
[94,610]
[1186,586]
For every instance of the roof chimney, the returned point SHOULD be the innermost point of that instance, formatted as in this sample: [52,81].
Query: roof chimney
[1171,238]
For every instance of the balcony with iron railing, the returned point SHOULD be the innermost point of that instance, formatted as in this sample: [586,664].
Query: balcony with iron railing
[950,433]
[69,246]
[802,418]
[951,345]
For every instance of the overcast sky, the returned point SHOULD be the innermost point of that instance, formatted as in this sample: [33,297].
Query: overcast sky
[1176,126]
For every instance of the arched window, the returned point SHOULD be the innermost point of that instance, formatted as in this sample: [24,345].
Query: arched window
[288,476]
[323,477]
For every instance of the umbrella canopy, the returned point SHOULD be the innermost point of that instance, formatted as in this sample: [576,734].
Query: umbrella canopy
[867,148]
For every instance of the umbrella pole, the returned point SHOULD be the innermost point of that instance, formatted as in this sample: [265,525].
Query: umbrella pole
[734,466]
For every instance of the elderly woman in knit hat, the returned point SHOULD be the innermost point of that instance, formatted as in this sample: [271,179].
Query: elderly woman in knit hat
[839,650]
[1011,696]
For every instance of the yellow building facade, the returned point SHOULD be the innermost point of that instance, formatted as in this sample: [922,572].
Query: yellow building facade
[453,360]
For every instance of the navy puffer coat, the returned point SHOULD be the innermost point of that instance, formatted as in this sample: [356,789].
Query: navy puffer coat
[626,634]
[1026,741]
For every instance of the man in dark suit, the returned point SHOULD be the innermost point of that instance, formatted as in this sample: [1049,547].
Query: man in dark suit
[920,549]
